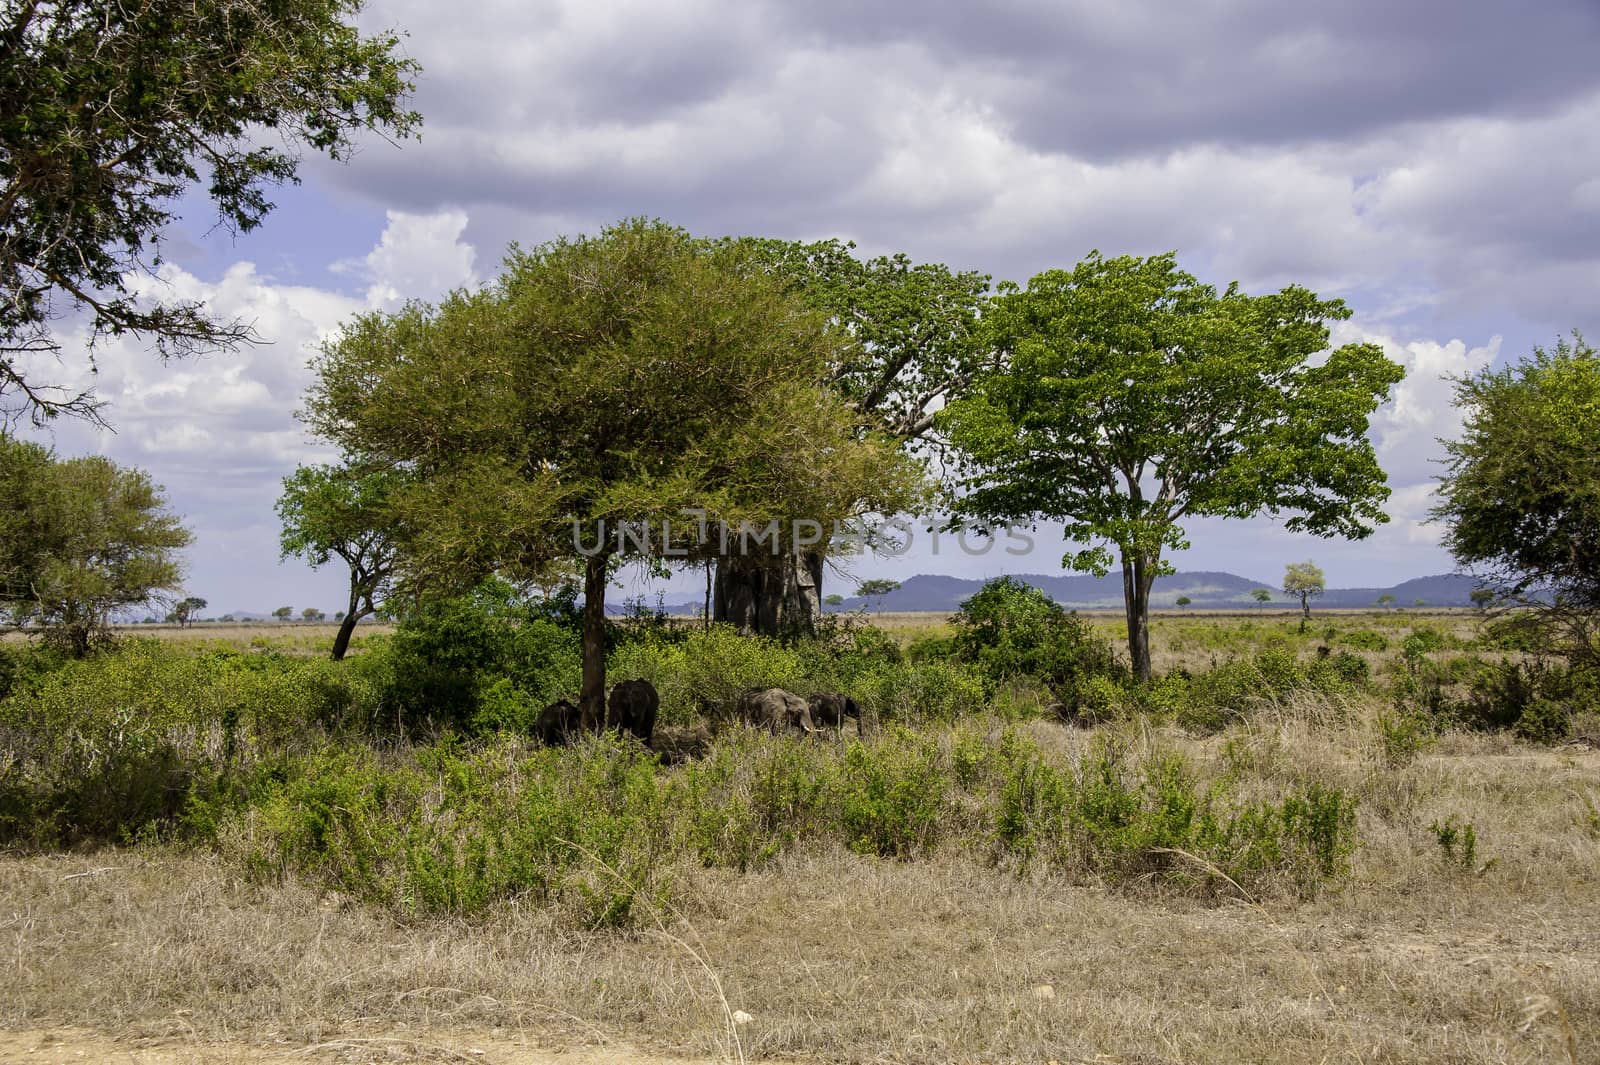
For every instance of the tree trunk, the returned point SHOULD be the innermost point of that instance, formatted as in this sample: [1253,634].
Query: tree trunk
[769,596]
[1137,577]
[592,701]
[341,640]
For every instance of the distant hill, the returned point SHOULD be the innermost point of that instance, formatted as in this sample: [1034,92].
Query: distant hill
[1206,590]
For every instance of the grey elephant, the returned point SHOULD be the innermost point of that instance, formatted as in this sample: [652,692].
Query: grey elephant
[829,709]
[632,708]
[777,711]
[558,724]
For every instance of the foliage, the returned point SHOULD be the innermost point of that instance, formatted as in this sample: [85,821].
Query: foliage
[875,589]
[1521,493]
[913,328]
[185,609]
[1009,629]
[344,511]
[1134,396]
[80,539]
[477,662]
[1304,581]
[602,383]
[1458,843]
[110,113]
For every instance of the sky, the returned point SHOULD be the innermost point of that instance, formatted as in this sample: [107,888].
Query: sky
[1433,163]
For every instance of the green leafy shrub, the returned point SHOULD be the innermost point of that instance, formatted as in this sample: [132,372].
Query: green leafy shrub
[109,747]
[1010,629]
[1122,818]
[891,797]
[447,830]
[706,671]
[930,691]
[478,662]
[1365,640]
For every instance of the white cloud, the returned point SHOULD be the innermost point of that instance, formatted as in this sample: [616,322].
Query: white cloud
[219,431]
[419,256]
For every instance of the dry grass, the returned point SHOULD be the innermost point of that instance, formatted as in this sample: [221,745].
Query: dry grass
[839,957]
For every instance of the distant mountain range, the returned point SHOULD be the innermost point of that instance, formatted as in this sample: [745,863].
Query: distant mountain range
[1207,591]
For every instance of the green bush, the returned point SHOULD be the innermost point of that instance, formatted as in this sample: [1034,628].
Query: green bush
[1010,629]
[1125,819]
[447,830]
[477,663]
[1365,640]
[109,747]
[930,691]
[706,671]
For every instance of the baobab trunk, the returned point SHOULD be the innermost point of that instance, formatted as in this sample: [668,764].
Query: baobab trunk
[769,596]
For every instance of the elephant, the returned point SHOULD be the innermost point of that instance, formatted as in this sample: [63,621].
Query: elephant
[558,723]
[632,708]
[777,711]
[829,709]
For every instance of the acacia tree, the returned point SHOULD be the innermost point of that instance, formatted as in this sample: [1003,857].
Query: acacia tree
[909,340]
[344,511]
[81,539]
[639,376]
[109,113]
[185,610]
[1521,492]
[1133,396]
[1303,581]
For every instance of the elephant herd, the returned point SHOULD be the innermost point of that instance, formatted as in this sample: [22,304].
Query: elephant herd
[633,705]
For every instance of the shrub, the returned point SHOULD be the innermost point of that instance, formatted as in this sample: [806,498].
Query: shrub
[446,830]
[1010,629]
[478,662]
[706,671]
[1365,640]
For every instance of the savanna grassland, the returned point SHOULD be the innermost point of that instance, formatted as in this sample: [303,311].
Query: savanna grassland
[1360,843]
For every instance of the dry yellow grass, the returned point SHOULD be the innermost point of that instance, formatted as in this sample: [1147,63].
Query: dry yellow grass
[839,957]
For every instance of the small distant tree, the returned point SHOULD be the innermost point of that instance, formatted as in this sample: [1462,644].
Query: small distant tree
[80,540]
[1303,580]
[833,599]
[1386,600]
[875,589]
[1262,596]
[344,511]
[1419,602]
[186,611]
[283,613]
[338,615]
[1184,601]
[1481,598]
[311,613]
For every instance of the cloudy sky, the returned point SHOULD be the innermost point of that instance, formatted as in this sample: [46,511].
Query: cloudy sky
[1434,163]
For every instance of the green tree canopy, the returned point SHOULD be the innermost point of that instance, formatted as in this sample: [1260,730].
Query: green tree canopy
[1521,491]
[1304,581]
[185,610]
[1132,397]
[603,383]
[109,113]
[908,339]
[81,539]
[344,512]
